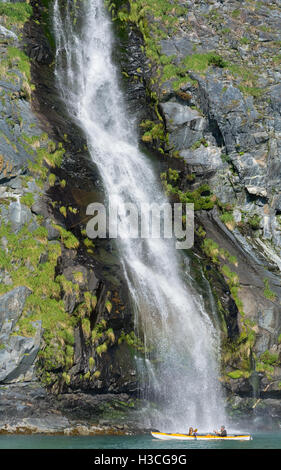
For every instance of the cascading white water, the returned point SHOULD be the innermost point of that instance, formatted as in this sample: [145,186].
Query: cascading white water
[184,375]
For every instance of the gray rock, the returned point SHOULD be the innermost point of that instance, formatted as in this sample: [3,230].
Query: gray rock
[13,155]
[40,207]
[6,33]
[18,215]
[15,183]
[184,137]
[11,307]
[269,320]
[18,356]
[275,96]
[50,424]
[53,233]
[177,114]
[277,202]
[204,159]
[17,353]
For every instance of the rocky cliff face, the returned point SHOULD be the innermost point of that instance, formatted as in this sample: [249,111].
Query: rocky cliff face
[65,320]
[211,74]
[203,78]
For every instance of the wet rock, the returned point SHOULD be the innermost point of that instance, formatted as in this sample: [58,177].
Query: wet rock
[37,45]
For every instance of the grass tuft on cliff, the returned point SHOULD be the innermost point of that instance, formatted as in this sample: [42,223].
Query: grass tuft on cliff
[19,12]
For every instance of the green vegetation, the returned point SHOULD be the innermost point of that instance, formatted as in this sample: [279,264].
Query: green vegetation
[89,245]
[62,210]
[245,40]
[98,332]
[254,221]
[27,199]
[16,12]
[238,374]
[265,368]
[86,327]
[21,59]
[248,77]
[133,341]
[17,59]
[233,279]
[30,259]
[266,363]
[239,352]
[173,175]
[200,197]
[92,363]
[228,219]
[153,132]
[251,90]
[66,378]
[22,262]
[52,179]
[78,277]
[68,239]
[190,177]
[110,334]
[45,153]
[269,358]
[200,62]
[101,349]
[211,249]
[236,13]
[267,292]
[165,19]
[155,21]
[236,351]
[198,144]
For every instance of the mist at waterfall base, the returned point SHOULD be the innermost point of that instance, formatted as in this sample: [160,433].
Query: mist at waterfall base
[180,368]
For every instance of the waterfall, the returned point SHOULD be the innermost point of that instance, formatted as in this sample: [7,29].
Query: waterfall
[182,368]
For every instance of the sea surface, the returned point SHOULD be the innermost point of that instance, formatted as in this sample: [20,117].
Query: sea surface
[270,440]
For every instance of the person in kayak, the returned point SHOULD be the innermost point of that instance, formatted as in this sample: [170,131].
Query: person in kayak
[222,432]
[192,432]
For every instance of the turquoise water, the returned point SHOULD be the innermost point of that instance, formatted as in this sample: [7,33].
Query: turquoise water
[260,441]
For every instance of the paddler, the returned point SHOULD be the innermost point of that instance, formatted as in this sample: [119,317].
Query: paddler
[222,432]
[192,432]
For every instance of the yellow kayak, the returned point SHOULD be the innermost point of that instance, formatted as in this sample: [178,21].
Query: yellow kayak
[201,437]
